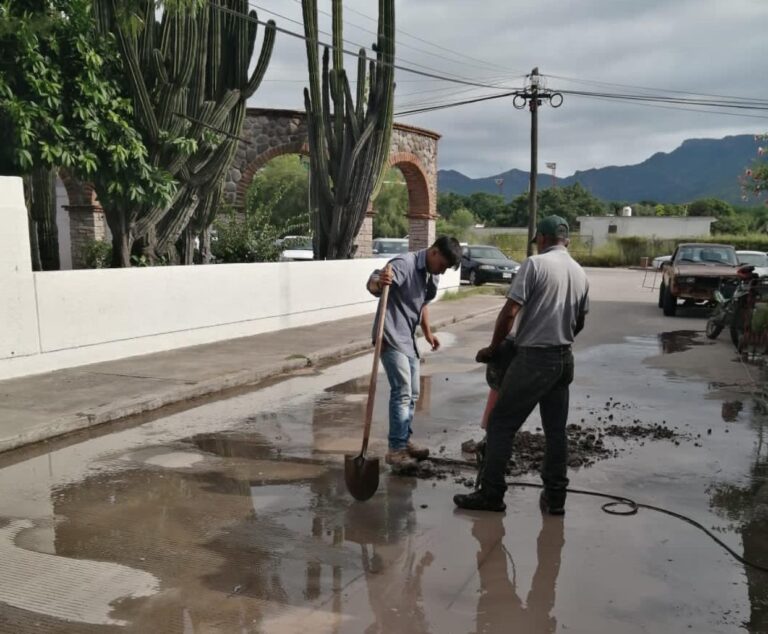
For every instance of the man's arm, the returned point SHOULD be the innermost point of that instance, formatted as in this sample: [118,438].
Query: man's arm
[431,339]
[581,317]
[504,322]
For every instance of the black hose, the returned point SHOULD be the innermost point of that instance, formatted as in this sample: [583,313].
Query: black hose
[618,501]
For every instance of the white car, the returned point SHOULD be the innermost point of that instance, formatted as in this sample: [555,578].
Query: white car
[756,258]
[297,249]
[389,246]
[658,261]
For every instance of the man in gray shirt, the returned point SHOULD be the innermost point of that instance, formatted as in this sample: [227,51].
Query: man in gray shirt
[413,280]
[549,299]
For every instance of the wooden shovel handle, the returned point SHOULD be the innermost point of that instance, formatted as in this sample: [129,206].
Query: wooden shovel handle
[382,313]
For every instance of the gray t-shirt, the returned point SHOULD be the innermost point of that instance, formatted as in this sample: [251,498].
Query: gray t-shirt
[413,287]
[554,291]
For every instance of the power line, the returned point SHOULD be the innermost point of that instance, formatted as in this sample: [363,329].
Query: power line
[738,105]
[453,104]
[475,63]
[300,36]
[680,92]
[300,23]
[437,46]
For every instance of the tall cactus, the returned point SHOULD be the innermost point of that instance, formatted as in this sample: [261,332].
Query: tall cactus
[188,75]
[349,137]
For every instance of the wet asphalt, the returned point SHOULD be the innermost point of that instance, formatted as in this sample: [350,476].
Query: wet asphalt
[233,516]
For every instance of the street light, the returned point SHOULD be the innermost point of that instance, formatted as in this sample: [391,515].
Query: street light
[533,95]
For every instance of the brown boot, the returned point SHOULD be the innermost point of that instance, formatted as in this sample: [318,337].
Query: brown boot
[417,452]
[400,459]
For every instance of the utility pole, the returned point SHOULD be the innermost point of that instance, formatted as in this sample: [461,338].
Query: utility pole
[500,184]
[533,95]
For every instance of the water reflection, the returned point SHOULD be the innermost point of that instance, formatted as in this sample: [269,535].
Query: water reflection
[679,340]
[500,607]
[747,507]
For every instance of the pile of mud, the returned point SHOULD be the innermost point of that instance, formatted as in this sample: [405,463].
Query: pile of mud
[586,446]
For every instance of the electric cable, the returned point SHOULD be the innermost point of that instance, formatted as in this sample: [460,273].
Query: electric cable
[300,36]
[348,41]
[620,500]
[475,63]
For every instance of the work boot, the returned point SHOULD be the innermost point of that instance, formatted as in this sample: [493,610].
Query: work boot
[479,501]
[552,502]
[400,459]
[416,451]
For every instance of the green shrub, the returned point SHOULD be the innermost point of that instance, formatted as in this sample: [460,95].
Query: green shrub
[97,254]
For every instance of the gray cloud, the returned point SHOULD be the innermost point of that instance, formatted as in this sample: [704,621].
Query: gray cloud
[708,46]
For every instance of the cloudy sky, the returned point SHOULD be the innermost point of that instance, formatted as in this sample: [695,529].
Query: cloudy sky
[713,47]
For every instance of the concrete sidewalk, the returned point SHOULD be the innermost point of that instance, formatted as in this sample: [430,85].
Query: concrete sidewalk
[44,406]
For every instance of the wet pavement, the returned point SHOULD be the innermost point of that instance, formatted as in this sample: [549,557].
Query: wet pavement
[233,516]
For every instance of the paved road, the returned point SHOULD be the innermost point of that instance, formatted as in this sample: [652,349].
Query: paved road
[233,516]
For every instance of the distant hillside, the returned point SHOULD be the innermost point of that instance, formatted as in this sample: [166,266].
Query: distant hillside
[699,168]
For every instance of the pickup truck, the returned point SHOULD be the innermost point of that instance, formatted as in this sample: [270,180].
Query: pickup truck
[694,274]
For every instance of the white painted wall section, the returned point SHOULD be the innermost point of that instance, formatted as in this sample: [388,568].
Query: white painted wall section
[18,316]
[59,319]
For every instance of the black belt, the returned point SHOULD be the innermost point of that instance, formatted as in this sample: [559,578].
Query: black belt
[563,348]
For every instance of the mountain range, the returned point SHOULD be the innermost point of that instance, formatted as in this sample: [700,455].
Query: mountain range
[699,168]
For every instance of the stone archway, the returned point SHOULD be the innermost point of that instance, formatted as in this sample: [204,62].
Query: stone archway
[270,133]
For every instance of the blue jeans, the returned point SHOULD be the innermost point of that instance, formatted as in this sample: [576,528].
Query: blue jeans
[403,375]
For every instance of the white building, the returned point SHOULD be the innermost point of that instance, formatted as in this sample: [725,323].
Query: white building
[602,228]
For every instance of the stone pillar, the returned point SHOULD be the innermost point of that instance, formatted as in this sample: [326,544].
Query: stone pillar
[86,223]
[421,233]
[364,240]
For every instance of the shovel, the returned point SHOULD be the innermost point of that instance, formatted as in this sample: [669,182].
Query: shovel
[360,473]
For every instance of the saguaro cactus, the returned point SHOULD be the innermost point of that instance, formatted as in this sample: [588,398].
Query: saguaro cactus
[188,75]
[348,137]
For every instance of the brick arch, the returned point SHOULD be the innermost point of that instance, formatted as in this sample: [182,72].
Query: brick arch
[294,147]
[420,204]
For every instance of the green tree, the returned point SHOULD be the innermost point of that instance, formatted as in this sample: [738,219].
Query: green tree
[253,235]
[449,202]
[710,207]
[187,71]
[61,105]
[391,207]
[283,185]
[460,226]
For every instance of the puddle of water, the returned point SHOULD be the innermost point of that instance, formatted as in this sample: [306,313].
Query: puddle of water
[175,460]
[680,340]
[251,539]
[68,589]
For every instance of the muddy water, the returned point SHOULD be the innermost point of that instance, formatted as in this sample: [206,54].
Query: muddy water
[233,517]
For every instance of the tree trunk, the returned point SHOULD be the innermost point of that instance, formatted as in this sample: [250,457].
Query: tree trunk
[34,246]
[44,214]
[205,247]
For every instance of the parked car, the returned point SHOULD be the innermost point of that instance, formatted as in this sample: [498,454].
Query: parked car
[390,246]
[695,273]
[481,264]
[659,261]
[296,249]
[755,258]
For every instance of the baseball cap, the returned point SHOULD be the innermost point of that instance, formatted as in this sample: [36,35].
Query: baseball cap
[555,226]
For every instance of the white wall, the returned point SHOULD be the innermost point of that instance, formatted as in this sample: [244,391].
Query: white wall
[58,319]
[667,227]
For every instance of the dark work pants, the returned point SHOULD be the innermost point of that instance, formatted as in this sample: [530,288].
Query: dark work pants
[536,376]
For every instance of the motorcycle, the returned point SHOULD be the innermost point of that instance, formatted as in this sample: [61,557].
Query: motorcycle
[735,302]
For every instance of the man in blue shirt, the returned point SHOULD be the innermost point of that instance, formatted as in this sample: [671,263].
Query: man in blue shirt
[413,279]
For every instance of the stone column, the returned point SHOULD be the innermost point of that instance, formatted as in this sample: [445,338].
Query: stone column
[86,223]
[421,233]
[364,240]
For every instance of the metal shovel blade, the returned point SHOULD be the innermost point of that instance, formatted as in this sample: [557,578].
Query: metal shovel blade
[362,476]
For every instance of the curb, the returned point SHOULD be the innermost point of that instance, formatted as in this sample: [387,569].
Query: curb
[135,407]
